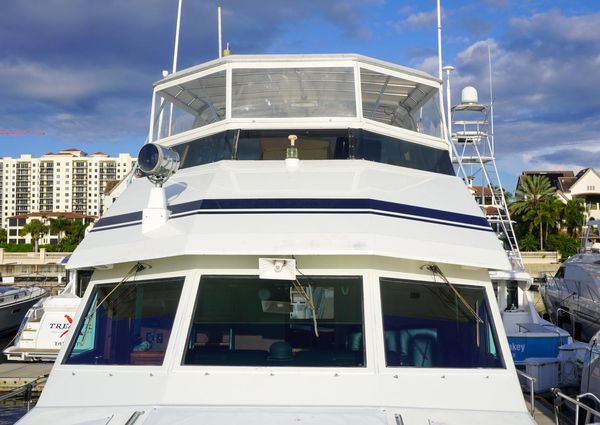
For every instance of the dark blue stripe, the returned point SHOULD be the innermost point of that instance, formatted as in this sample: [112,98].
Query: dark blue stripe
[291,205]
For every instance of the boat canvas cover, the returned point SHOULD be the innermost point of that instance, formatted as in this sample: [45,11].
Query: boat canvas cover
[351,207]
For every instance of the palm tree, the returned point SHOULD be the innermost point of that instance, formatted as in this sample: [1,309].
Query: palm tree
[534,203]
[534,189]
[3,235]
[59,226]
[573,215]
[36,229]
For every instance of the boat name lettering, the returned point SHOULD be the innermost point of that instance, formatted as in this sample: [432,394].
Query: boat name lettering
[517,347]
[59,325]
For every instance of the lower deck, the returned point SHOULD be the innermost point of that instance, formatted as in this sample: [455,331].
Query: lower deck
[332,333]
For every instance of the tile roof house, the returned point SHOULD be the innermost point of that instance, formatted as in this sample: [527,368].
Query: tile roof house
[584,185]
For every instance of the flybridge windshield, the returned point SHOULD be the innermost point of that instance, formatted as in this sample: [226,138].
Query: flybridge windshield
[293,92]
[296,93]
[313,144]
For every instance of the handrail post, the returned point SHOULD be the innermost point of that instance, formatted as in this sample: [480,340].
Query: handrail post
[576,401]
[28,396]
[531,380]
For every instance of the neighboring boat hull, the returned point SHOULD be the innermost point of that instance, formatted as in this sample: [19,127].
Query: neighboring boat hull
[574,313]
[11,314]
[41,338]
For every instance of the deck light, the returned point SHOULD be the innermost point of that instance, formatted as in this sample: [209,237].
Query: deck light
[158,163]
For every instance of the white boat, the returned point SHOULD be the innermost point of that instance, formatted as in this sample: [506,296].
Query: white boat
[529,335]
[313,260]
[14,303]
[572,295]
[46,324]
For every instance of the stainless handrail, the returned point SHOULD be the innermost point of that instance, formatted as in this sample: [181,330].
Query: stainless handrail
[569,313]
[531,380]
[587,416]
[590,411]
[26,389]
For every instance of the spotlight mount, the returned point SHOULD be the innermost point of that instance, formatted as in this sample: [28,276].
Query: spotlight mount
[157,163]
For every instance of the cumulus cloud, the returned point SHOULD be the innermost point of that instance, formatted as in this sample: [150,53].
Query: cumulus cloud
[547,99]
[39,81]
[417,20]
[83,70]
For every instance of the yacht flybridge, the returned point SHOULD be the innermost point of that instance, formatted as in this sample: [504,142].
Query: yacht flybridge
[300,252]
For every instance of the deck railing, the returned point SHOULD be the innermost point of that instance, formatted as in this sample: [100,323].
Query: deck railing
[531,380]
[559,397]
[26,389]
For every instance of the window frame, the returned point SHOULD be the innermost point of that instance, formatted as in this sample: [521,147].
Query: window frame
[84,308]
[371,356]
[188,327]
[493,312]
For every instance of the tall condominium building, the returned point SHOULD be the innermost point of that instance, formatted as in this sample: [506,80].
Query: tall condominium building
[67,181]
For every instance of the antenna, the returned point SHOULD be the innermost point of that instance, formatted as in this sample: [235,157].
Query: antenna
[448,69]
[175,52]
[219,31]
[439,37]
[491,101]
[176,48]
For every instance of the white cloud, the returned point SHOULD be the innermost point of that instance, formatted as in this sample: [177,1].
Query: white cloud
[39,81]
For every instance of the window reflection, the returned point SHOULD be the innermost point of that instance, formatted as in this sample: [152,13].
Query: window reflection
[127,324]
[246,321]
[312,145]
[426,325]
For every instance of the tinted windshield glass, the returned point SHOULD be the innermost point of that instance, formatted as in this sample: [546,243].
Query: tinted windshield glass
[128,324]
[246,321]
[426,325]
[314,144]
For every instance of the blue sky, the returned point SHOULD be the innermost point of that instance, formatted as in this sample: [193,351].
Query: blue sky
[81,71]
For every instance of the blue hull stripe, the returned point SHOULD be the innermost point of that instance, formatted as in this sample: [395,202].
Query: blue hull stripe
[305,206]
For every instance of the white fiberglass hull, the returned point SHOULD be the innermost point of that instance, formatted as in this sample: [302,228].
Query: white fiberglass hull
[289,415]
[12,313]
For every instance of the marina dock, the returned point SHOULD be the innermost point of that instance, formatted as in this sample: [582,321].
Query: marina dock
[15,375]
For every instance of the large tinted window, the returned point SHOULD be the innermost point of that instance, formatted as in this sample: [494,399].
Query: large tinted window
[127,324]
[427,325]
[389,150]
[246,321]
[314,144]
[209,149]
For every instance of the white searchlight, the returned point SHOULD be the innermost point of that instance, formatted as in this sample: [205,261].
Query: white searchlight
[157,163]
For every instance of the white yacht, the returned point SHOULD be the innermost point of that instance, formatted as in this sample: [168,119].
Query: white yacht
[529,335]
[46,324]
[297,249]
[572,295]
[14,303]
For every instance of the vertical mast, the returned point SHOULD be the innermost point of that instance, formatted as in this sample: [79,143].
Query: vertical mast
[219,31]
[491,101]
[439,39]
[175,53]
[176,48]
